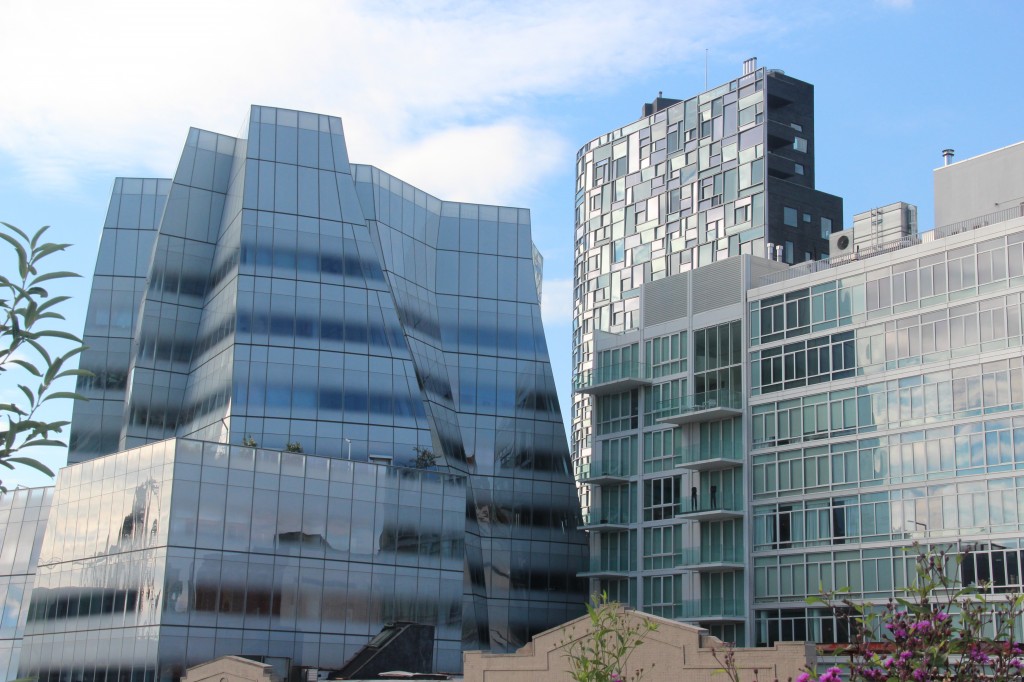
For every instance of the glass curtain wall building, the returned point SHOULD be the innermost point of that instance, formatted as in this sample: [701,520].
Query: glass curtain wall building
[273,295]
[887,408]
[23,516]
[769,431]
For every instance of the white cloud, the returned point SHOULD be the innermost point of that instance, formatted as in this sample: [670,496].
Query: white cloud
[556,302]
[501,159]
[112,86]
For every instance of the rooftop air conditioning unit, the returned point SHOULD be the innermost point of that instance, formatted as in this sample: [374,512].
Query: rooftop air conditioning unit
[841,244]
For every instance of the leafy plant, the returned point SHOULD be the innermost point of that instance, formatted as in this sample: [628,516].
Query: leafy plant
[250,442]
[26,310]
[425,458]
[601,654]
[295,446]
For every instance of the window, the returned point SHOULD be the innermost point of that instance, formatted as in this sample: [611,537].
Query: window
[800,144]
[618,251]
[789,216]
[789,252]
[826,227]
[798,168]
[807,217]
[621,166]
[661,497]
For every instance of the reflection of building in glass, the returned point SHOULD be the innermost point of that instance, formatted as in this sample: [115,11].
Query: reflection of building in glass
[23,515]
[887,407]
[247,550]
[823,416]
[274,296]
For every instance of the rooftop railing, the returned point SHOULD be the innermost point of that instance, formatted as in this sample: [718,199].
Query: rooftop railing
[870,251]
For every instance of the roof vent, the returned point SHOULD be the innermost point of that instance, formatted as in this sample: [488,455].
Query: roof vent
[947,156]
[749,66]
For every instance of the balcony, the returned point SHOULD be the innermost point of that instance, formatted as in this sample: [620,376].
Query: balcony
[701,407]
[611,379]
[597,519]
[604,473]
[705,610]
[696,459]
[709,512]
[607,568]
[711,559]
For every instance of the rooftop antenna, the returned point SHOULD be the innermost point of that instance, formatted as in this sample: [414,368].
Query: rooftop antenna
[705,68]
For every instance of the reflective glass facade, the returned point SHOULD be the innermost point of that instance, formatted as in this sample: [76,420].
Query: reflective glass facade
[23,515]
[887,409]
[281,297]
[177,552]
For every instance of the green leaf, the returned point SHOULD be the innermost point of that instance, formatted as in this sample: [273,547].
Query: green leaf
[50,302]
[28,366]
[39,348]
[28,394]
[45,442]
[56,333]
[33,463]
[75,373]
[37,235]
[60,274]
[22,254]
[23,235]
[63,395]
[44,250]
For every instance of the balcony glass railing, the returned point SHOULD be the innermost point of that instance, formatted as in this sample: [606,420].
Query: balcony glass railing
[710,555]
[712,608]
[598,517]
[610,565]
[693,609]
[615,468]
[606,374]
[697,455]
[699,402]
[688,507]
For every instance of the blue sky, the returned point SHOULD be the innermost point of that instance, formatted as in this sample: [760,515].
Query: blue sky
[478,101]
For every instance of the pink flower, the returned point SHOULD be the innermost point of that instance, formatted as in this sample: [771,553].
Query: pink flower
[803,677]
[831,675]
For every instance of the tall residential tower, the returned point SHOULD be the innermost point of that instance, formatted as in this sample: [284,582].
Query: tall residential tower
[713,184]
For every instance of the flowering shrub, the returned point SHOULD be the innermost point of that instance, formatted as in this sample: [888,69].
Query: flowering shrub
[937,632]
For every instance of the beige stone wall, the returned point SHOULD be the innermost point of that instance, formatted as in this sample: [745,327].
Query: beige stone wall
[229,669]
[673,652]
